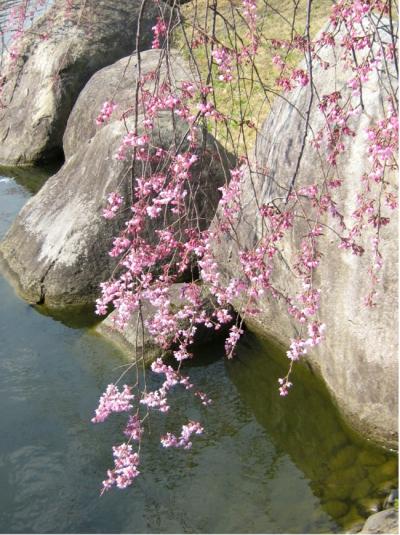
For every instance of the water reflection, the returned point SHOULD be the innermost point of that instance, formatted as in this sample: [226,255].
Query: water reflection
[73,316]
[32,8]
[348,475]
[30,178]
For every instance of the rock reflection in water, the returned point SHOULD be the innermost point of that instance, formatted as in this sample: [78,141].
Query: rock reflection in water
[30,178]
[349,476]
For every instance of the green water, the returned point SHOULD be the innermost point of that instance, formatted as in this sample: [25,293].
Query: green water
[264,465]
[349,476]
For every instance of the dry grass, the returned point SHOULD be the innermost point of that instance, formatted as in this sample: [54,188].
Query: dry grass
[250,95]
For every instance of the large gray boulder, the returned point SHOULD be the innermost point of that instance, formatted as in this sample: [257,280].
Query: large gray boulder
[58,246]
[117,82]
[41,89]
[358,359]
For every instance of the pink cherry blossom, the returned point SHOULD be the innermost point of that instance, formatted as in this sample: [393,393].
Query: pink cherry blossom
[113,401]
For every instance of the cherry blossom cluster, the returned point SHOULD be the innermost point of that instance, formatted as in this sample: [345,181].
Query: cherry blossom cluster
[134,429]
[250,13]
[299,346]
[114,202]
[183,441]
[229,203]
[113,401]
[383,142]
[105,113]
[158,398]
[355,11]
[223,58]
[180,247]
[159,30]
[284,387]
[125,468]
[232,340]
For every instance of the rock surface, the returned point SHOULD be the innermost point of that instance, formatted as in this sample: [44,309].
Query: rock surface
[383,522]
[117,82]
[358,359]
[58,245]
[137,341]
[41,89]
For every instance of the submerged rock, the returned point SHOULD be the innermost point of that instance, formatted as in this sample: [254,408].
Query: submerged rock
[379,476]
[355,527]
[344,457]
[42,87]
[361,489]
[342,482]
[335,508]
[352,521]
[371,458]
[58,245]
[369,506]
[390,468]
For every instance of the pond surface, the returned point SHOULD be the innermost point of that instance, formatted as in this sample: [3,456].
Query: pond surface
[264,465]
[32,8]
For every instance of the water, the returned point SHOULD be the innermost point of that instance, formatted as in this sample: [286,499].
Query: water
[265,464]
[32,9]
